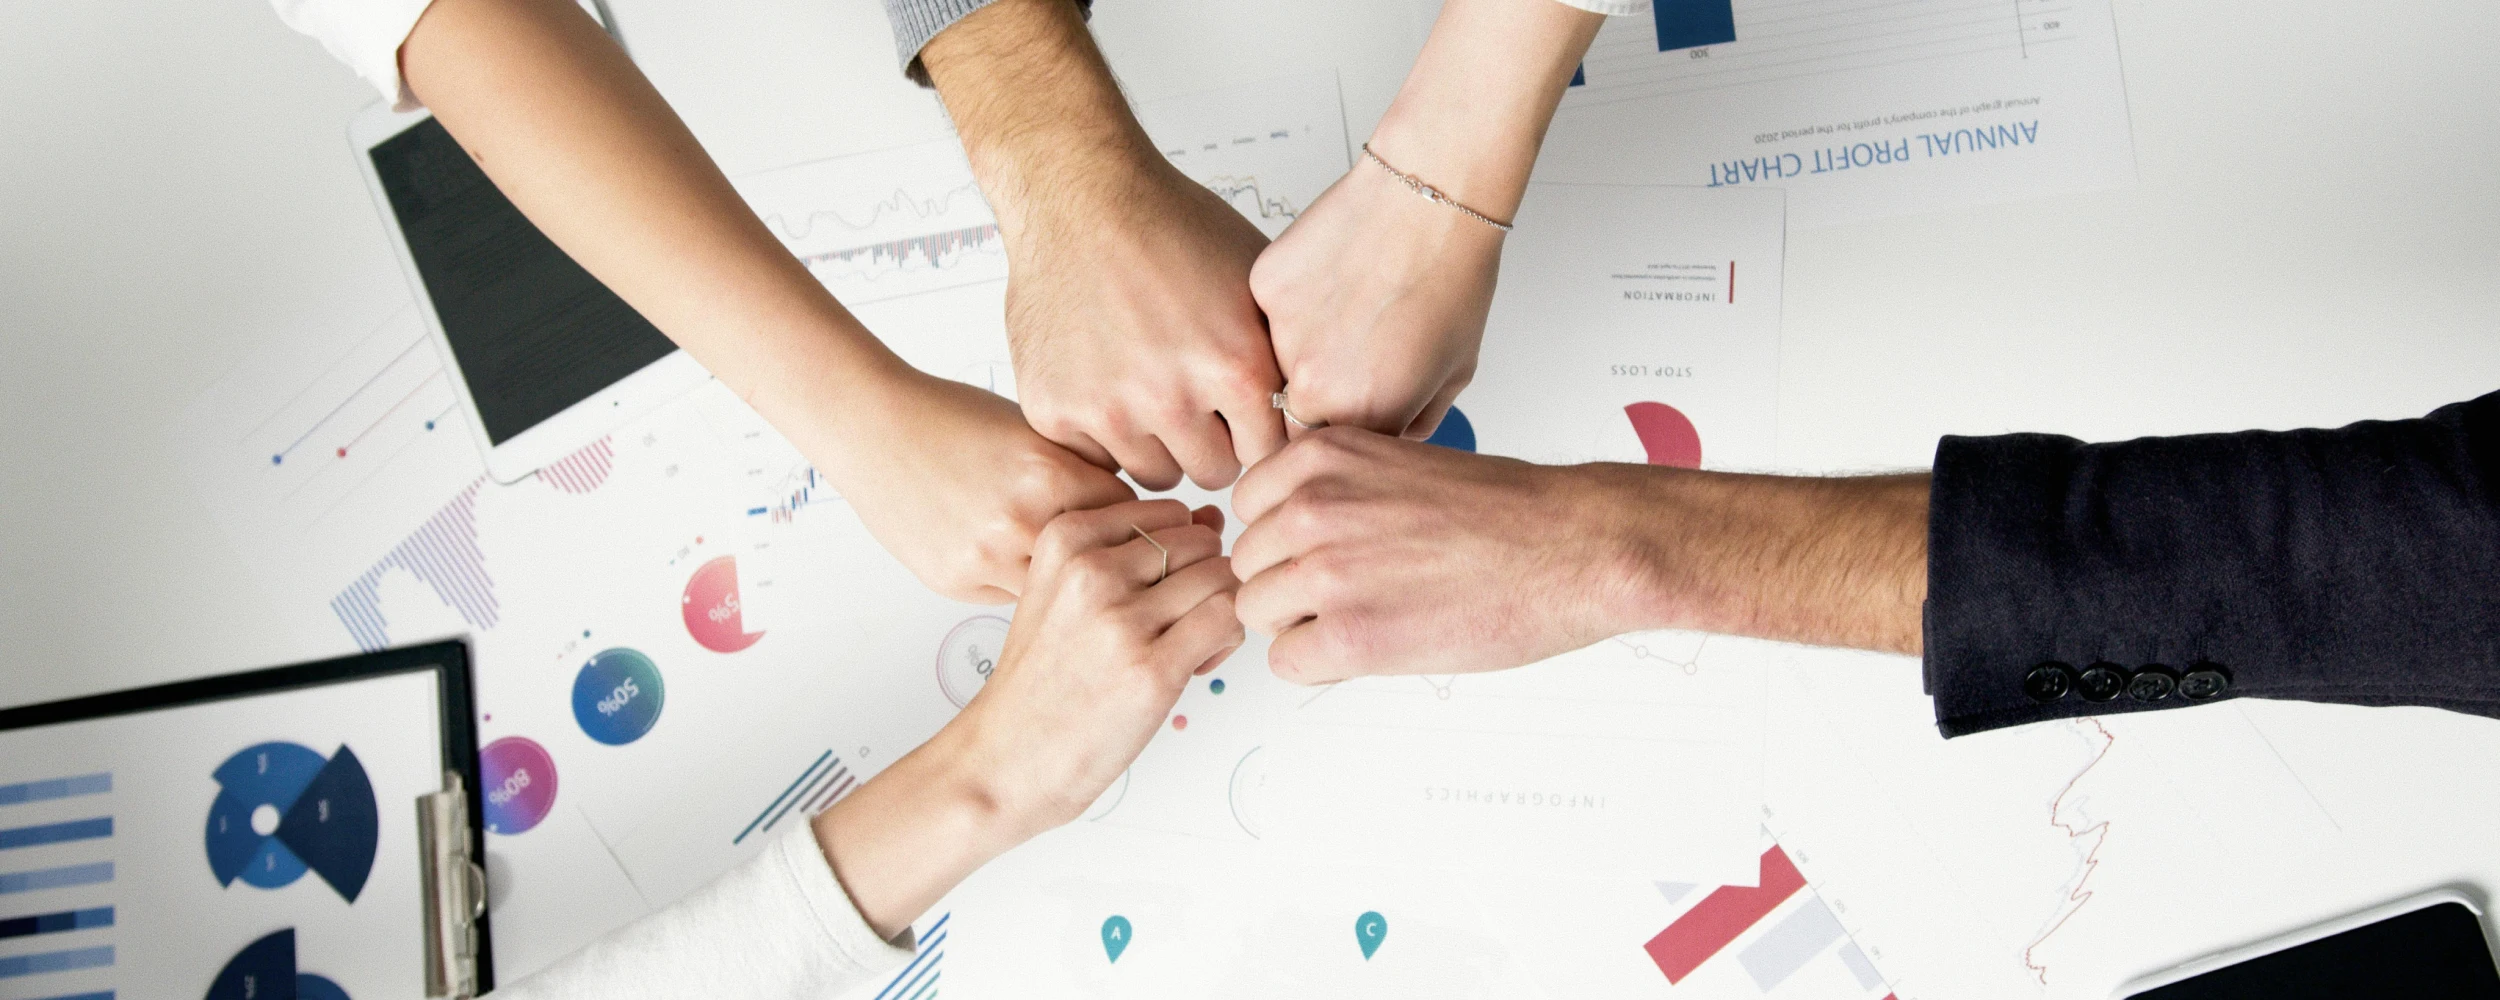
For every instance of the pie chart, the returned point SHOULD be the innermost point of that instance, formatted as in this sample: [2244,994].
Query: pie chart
[283,809]
[1666,434]
[714,616]
[1454,432]
[265,970]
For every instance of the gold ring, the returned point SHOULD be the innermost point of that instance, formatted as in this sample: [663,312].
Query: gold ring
[1278,401]
[1167,553]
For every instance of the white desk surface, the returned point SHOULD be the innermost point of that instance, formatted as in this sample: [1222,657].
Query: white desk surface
[2314,239]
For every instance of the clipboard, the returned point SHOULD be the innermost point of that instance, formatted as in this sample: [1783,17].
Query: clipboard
[310,831]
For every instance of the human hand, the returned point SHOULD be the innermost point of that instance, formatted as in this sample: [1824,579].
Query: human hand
[1135,339]
[1376,303]
[1099,651]
[950,479]
[1109,632]
[1367,554]
[1129,315]
[1376,298]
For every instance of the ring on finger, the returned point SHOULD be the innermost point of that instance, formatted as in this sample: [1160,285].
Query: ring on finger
[1167,553]
[1278,401]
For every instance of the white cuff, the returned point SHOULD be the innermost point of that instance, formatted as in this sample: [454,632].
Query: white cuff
[1610,8]
[364,34]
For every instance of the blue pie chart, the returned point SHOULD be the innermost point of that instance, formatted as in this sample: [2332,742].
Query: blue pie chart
[320,817]
[265,970]
[1454,432]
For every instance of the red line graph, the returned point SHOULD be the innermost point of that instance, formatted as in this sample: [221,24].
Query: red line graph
[2099,832]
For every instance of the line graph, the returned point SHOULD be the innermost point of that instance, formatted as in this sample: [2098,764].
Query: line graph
[2066,813]
[1247,197]
[1267,149]
[884,224]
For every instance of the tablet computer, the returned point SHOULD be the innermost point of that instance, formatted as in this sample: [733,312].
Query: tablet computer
[544,359]
[2433,946]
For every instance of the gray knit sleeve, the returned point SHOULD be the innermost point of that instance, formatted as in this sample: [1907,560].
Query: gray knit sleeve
[917,21]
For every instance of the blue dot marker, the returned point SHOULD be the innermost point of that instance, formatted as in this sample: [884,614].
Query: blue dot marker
[429,425]
[277,460]
[1216,685]
[1115,935]
[1369,930]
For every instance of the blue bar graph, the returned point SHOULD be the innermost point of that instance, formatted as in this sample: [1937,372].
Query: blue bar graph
[56,833]
[56,961]
[57,788]
[104,995]
[56,923]
[56,878]
[1690,24]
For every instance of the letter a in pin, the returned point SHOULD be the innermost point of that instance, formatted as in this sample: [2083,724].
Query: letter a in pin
[1115,935]
[1369,929]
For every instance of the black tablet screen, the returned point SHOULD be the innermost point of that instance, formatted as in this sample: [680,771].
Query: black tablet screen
[2433,953]
[533,331]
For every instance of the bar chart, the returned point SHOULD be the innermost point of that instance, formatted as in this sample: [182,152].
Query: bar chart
[56,866]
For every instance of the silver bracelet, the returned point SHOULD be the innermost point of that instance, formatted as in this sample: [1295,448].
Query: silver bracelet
[1430,193]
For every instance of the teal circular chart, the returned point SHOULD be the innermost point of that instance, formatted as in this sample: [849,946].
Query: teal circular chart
[618,695]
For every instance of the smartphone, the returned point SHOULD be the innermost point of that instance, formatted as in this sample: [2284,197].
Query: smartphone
[2428,947]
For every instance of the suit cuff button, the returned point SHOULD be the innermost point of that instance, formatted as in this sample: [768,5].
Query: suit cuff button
[2049,682]
[2152,683]
[2101,682]
[2204,682]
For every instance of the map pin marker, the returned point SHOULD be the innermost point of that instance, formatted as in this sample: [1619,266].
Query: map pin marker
[1369,929]
[1116,932]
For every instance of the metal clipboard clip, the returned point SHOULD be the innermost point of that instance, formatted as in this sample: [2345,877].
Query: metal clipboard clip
[455,891]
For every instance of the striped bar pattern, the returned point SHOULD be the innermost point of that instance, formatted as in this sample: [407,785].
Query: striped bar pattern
[919,980]
[56,833]
[444,553]
[817,787]
[57,788]
[56,923]
[581,471]
[55,961]
[56,878]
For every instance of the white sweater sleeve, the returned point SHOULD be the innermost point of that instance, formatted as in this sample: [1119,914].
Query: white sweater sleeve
[1612,8]
[777,927]
[364,34]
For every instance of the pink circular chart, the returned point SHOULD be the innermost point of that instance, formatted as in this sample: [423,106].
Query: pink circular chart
[520,782]
[714,616]
[1666,434]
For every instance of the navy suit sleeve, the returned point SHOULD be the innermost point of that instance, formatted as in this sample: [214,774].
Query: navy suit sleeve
[2359,565]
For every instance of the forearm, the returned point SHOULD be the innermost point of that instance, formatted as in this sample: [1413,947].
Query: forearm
[1823,561]
[1475,108]
[1037,108]
[907,837]
[574,135]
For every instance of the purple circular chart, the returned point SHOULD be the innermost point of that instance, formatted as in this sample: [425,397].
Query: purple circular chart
[617,696]
[520,782]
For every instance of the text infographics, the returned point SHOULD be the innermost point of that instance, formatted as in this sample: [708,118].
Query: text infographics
[239,849]
[1857,110]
